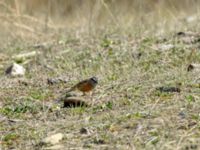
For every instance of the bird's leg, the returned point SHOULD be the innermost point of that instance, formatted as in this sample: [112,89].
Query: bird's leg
[91,96]
[84,94]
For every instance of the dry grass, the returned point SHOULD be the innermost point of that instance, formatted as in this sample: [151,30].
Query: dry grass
[129,61]
[23,19]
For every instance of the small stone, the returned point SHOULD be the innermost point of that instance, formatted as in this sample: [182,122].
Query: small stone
[192,123]
[53,139]
[23,82]
[83,131]
[192,67]
[181,33]
[191,19]
[182,115]
[99,141]
[15,70]
[165,47]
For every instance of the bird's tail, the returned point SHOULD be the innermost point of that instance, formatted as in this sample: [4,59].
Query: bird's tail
[71,89]
[65,94]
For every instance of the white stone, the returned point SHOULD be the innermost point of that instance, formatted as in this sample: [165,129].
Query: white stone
[53,139]
[165,47]
[191,19]
[16,70]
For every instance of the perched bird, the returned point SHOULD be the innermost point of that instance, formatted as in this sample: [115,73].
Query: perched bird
[85,85]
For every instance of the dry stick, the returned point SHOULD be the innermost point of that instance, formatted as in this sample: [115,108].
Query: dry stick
[23,26]
[7,7]
[20,25]
[153,107]
[112,16]
[26,55]
[188,133]
[90,18]
[173,10]
[17,7]
[191,56]
[94,14]
[97,7]
[18,13]
[23,16]
[17,24]
[47,15]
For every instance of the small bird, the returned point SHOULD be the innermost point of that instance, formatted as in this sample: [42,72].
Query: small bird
[85,85]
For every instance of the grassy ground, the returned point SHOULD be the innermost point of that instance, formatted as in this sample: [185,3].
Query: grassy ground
[128,111]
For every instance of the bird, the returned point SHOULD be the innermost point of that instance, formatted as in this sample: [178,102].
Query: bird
[84,86]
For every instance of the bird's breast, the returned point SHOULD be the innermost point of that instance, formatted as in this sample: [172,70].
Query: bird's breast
[85,87]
